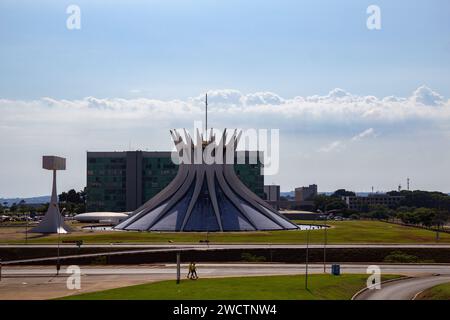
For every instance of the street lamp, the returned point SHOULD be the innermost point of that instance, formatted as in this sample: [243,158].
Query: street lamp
[178,267]
[26,228]
[307,253]
[325,241]
[58,265]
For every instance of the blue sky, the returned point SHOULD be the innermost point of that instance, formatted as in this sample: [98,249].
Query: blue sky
[138,68]
[176,49]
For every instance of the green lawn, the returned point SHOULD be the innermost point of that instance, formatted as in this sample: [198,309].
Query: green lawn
[340,232]
[439,292]
[321,287]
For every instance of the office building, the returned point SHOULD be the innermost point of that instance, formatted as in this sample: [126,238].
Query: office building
[272,193]
[359,203]
[306,193]
[122,181]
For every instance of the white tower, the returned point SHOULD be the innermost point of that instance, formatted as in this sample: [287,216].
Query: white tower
[53,222]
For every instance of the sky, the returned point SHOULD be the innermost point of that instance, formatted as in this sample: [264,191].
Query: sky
[355,107]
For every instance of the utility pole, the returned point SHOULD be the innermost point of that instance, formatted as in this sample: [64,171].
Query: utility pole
[325,240]
[306,270]
[58,264]
[307,253]
[206,117]
[178,267]
[325,227]
[26,228]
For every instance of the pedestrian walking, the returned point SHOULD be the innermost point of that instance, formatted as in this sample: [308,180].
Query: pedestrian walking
[189,271]
[194,275]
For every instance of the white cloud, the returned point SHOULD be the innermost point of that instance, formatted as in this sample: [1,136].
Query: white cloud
[223,98]
[232,108]
[30,128]
[334,146]
[263,98]
[366,133]
[339,145]
[426,96]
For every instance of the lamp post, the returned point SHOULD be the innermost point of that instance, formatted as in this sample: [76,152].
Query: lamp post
[325,241]
[178,267]
[26,228]
[307,253]
[58,265]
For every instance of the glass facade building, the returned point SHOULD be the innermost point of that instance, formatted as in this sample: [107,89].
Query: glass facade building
[123,181]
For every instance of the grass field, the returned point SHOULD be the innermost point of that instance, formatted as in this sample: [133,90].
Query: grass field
[340,232]
[440,292]
[321,287]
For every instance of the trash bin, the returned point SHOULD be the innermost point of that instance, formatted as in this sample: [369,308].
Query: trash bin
[335,269]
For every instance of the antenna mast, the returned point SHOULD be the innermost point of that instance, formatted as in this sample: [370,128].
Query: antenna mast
[206,116]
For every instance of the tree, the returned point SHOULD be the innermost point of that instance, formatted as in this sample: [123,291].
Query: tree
[380,212]
[73,201]
[13,207]
[326,203]
[23,207]
[424,199]
[408,217]
[425,216]
[343,193]
[440,219]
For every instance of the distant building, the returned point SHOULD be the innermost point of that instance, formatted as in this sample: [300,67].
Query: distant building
[292,205]
[301,215]
[101,217]
[123,181]
[358,202]
[306,193]
[272,193]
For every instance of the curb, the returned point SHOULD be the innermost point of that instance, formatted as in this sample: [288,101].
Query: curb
[417,294]
[382,282]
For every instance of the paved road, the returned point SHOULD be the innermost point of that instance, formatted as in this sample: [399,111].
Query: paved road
[147,248]
[228,246]
[403,289]
[40,282]
[227,269]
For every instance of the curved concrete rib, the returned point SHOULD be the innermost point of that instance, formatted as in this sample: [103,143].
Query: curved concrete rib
[180,198]
[175,197]
[212,191]
[198,187]
[157,200]
[240,188]
[232,197]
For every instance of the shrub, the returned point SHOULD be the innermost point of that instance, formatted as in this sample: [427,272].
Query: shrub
[100,260]
[252,258]
[400,257]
